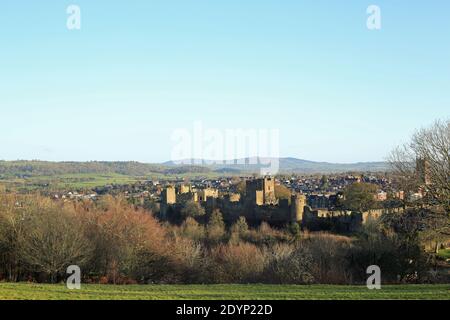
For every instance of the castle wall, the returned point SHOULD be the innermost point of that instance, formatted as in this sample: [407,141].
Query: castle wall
[260,205]
[204,194]
[188,196]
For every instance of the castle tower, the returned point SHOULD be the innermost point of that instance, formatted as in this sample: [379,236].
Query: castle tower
[168,195]
[168,198]
[298,202]
[261,191]
[269,190]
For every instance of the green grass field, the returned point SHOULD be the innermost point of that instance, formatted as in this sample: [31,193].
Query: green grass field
[88,181]
[220,292]
[71,181]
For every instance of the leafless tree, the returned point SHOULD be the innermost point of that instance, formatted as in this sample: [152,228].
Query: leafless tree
[432,146]
[54,239]
[11,228]
[424,164]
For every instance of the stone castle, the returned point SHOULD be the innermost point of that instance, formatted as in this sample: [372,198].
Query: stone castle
[260,204]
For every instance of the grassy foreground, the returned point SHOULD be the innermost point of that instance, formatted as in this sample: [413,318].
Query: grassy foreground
[220,292]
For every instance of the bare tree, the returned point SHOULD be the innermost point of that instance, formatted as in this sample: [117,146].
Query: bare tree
[11,229]
[53,241]
[423,165]
[429,148]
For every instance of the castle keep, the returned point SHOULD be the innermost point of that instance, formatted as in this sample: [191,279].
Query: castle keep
[259,203]
[261,191]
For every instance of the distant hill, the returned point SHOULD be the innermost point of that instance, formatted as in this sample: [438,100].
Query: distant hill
[26,169]
[286,165]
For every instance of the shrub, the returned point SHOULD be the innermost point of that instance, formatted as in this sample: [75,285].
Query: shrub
[329,263]
[287,264]
[266,236]
[216,228]
[239,230]
[193,230]
[241,263]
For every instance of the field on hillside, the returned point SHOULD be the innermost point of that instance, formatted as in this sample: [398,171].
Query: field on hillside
[219,292]
[68,181]
[82,181]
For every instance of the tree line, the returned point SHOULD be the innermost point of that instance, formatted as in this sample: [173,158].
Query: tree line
[118,243]
[26,169]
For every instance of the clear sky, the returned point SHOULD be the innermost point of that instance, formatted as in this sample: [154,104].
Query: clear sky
[137,70]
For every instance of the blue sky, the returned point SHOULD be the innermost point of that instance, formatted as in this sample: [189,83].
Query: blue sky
[138,70]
